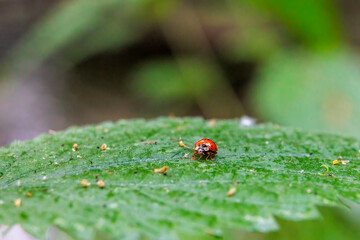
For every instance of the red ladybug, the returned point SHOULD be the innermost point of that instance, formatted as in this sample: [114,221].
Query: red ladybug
[205,147]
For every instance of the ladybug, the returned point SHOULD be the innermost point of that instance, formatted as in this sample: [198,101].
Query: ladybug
[205,147]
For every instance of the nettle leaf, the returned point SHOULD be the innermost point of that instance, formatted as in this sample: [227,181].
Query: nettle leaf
[275,172]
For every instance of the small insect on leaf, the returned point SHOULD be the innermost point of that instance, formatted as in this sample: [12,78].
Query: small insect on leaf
[75,147]
[335,162]
[181,144]
[231,191]
[161,170]
[17,202]
[101,184]
[85,183]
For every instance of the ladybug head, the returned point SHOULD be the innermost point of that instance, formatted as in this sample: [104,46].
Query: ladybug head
[201,148]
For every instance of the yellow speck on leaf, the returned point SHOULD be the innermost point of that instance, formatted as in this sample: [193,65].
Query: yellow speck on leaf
[85,183]
[161,170]
[104,147]
[343,162]
[181,144]
[231,191]
[101,184]
[17,202]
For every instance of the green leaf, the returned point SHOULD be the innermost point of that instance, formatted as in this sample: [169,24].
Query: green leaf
[167,83]
[316,23]
[74,30]
[275,172]
[335,224]
[312,91]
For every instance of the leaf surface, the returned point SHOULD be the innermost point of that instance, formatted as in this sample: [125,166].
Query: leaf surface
[275,172]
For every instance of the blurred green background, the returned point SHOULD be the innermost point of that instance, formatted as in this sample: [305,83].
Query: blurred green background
[295,63]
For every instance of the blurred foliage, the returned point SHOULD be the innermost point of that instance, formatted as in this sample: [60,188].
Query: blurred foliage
[314,22]
[77,29]
[334,224]
[290,41]
[315,91]
[169,83]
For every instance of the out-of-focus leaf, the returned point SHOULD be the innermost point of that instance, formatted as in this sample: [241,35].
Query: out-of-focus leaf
[318,92]
[186,80]
[80,28]
[260,29]
[315,22]
[253,34]
[335,223]
[164,80]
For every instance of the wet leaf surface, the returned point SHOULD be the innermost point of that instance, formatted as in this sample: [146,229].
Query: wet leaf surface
[275,172]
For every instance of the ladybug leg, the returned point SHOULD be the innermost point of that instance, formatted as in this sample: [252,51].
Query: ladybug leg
[194,156]
[207,157]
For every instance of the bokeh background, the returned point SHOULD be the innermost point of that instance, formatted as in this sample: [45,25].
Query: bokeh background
[75,62]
